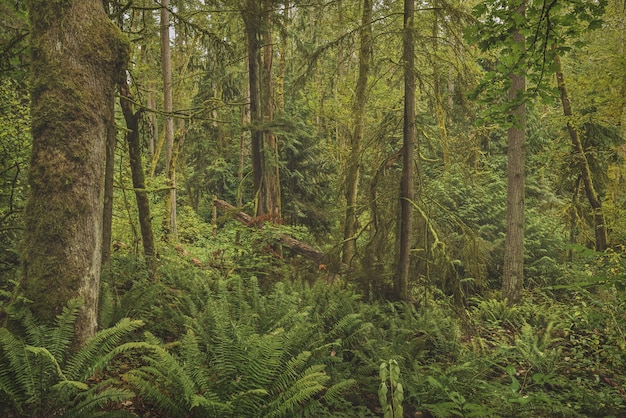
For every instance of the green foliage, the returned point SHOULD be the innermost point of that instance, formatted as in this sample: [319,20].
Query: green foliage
[390,392]
[41,376]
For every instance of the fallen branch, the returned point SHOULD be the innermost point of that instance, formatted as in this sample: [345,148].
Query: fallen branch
[296,246]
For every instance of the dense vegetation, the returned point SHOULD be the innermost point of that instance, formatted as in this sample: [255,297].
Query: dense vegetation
[222,319]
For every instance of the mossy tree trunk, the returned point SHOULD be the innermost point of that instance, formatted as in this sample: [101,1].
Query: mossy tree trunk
[583,163]
[407,181]
[132,119]
[251,15]
[78,56]
[353,164]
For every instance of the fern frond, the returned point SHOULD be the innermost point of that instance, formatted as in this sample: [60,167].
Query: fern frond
[58,338]
[16,377]
[335,393]
[85,361]
[303,390]
[143,381]
[43,353]
[89,402]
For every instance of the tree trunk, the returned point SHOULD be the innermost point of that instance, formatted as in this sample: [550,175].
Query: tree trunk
[78,56]
[353,168]
[513,269]
[271,180]
[166,68]
[583,163]
[109,176]
[252,23]
[139,182]
[407,191]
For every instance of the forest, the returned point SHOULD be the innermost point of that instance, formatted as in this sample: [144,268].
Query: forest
[313,208]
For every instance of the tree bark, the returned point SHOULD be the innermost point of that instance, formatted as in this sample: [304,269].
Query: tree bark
[353,169]
[513,269]
[109,175]
[252,23]
[78,56]
[407,181]
[583,164]
[166,68]
[271,178]
[139,182]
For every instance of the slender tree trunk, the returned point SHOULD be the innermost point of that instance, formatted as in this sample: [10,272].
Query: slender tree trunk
[513,270]
[166,68]
[407,182]
[353,169]
[583,164]
[252,23]
[271,196]
[437,78]
[139,182]
[76,63]
[244,138]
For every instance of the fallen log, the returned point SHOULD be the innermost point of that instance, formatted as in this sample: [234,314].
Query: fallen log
[296,246]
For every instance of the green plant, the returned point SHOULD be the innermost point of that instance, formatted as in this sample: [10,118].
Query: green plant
[390,391]
[41,376]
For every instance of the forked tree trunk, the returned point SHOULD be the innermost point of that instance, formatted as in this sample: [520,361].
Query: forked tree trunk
[513,269]
[78,56]
[139,182]
[583,163]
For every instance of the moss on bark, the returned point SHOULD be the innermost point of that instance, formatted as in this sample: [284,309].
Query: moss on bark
[78,57]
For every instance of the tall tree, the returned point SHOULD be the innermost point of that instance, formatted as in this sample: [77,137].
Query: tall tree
[407,181]
[271,179]
[170,160]
[252,22]
[593,197]
[78,56]
[513,270]
[265,178]
[132,119]
[353,168]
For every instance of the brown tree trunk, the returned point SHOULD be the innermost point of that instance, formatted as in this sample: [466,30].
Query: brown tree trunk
[139,182]
[271,180]
[78,56]
[252,22]
[513,269]
[407,181]
[353,169]
[583,164]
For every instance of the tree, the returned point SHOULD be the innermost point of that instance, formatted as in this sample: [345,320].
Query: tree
[78,56]
[170,152]
[513,270]
[265,165]
[407,180]
[600,228]
[132,119]
[353,168]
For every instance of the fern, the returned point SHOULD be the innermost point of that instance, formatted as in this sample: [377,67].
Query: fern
[40,376]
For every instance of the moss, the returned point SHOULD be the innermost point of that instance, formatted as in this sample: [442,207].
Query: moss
[76,63]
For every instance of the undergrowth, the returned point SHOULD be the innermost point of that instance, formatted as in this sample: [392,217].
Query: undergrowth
[221,341]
